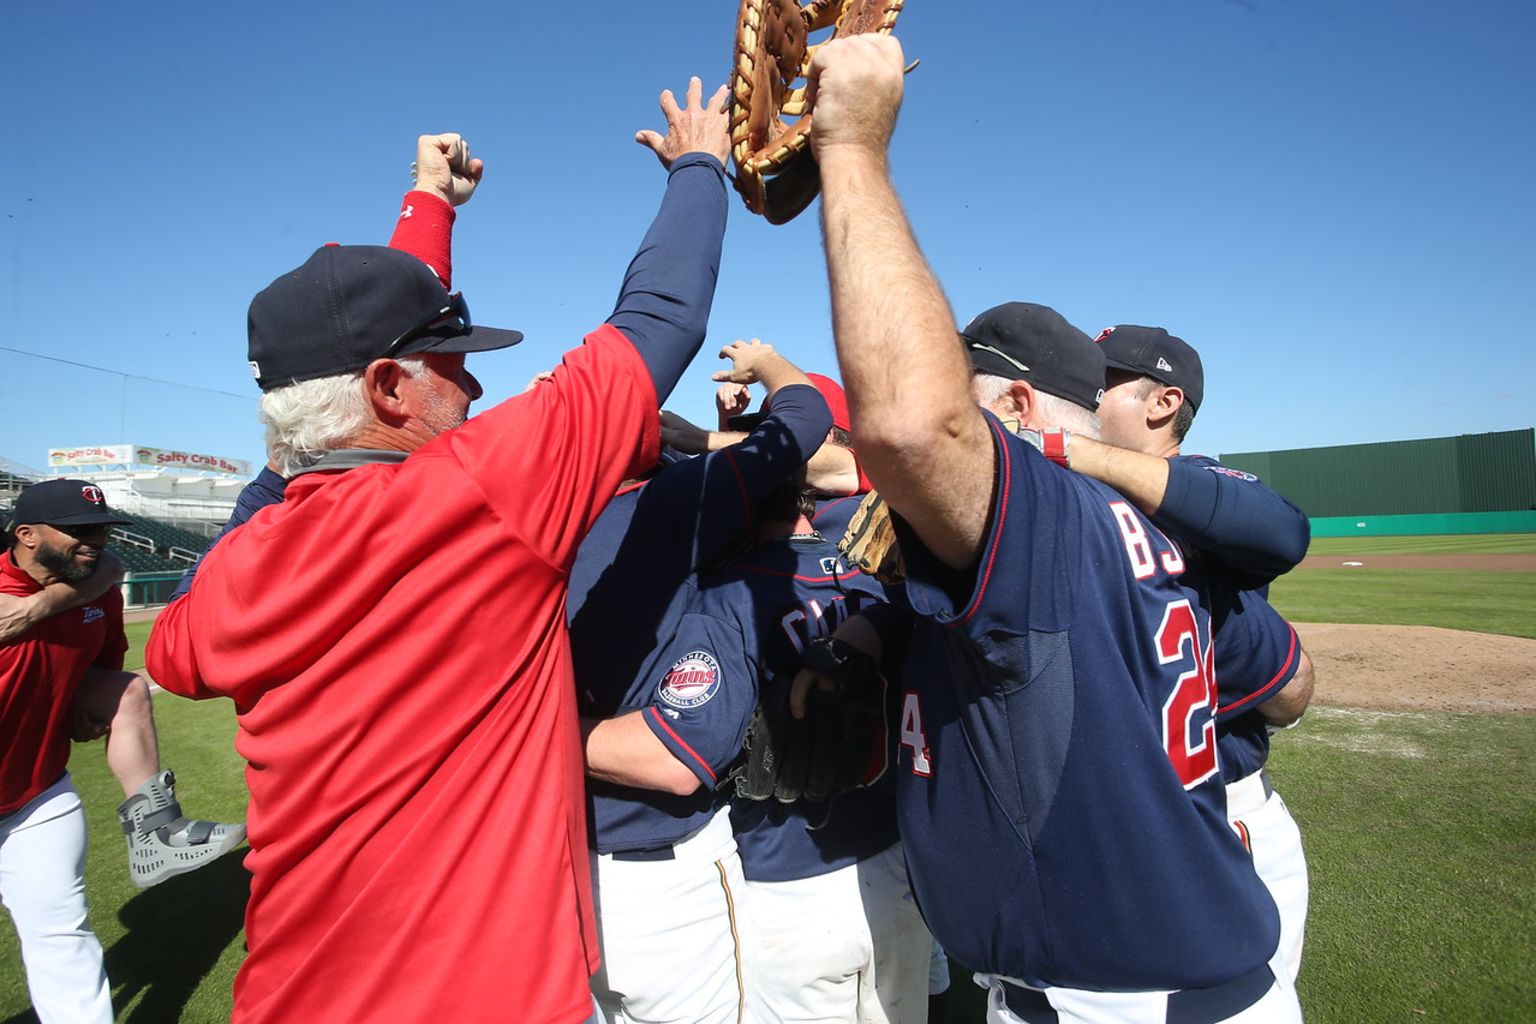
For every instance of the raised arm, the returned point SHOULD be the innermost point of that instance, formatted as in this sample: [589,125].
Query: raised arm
[922,439]
[664,304]
[446,177]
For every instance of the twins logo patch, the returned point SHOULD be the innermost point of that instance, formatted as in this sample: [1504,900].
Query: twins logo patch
[692,681]
[91,614]
[1236,474]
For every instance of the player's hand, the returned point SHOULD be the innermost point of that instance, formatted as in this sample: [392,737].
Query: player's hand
[696,128]
[746,358]
[856,85]
[800,690]
[682,435]
[444,168]
[83,728]
[542,377]
[731,400]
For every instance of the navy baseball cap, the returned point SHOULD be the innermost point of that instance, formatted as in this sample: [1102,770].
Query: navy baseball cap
[1025,341]
[63,503]
[1153,352]
[351,304]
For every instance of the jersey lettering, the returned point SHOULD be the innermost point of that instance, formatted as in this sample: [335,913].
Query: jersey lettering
[1172,559]
[812,622]
[1136,543]
[1139,546]
[1193,698]
[912,736]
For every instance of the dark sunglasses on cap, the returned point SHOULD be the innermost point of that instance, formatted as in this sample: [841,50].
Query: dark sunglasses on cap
[456,313]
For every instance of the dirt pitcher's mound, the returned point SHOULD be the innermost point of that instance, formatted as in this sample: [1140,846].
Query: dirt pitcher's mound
[1420,668]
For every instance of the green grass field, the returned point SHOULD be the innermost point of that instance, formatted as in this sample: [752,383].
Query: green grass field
[1420,832]
[171,951]
[1483,602]
[1474,544]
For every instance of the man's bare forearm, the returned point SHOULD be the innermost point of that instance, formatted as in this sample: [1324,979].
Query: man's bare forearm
[922,440]
[1140,477]
[624,751]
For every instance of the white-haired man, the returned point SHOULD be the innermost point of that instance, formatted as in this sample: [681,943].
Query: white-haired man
[393,632]
[1060,800]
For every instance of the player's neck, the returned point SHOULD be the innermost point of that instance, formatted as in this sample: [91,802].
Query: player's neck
[784,528]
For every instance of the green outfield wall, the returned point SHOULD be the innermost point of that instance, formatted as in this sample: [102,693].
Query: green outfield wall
[1426,525]
[1469,473]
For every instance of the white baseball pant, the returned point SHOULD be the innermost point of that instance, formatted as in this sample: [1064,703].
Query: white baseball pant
[1266,825]
[848,945]
[670,929]
[42,884]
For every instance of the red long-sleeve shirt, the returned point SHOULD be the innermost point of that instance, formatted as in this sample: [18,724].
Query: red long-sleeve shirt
[393,637]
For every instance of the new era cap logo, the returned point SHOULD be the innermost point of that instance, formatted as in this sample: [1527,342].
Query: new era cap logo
[1162,364]
[1106,332]
[92,494]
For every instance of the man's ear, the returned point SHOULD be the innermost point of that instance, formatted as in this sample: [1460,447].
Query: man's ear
[1166,403]
[1021,401]
[382,384]
[26,536]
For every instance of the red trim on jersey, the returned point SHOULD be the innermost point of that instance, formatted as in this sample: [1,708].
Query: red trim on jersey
[1263,691]
[997,531]
[682,742]
[836,502]
[802,579]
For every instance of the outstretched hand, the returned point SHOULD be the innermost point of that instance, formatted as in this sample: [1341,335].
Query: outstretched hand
[444,168]
[695,128]
[746,358]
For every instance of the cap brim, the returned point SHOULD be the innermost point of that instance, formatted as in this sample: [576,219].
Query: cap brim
[476,339]
[84,519]
[1117,364]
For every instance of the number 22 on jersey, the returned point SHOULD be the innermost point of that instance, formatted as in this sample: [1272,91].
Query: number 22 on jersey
[1194,694]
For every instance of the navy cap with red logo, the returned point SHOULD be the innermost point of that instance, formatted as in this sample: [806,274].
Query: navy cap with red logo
[1153,352]
[1027,341]
[63,503]
[351,304]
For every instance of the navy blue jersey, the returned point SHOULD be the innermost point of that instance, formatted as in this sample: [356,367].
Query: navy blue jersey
[1233,516]
[1060,795]
[699,689]
[1256,654]
[781,842]
[635,575]
[832,516]
[634,572]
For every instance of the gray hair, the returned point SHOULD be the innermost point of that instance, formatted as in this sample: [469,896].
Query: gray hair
[989,390]
[306,419]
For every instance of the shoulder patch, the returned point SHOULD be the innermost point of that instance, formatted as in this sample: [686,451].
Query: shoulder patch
[691,681]
[91,614]
[1236,474]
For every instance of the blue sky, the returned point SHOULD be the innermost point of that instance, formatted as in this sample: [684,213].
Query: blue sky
[1332,201]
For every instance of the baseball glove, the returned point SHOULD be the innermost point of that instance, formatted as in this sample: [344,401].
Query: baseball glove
[839,745]
[870,541]
[775,172]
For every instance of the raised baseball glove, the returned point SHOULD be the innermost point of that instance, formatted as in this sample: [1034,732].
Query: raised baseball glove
[870,541]
[839,745]
[775,172]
